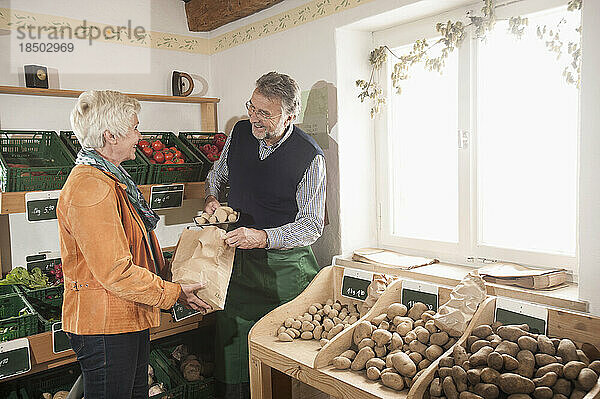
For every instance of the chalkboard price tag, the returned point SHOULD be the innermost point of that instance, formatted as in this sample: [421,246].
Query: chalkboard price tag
[180,312]
[41,205]
[415,291]
[14,357]
[168,196]
[355,283]
[60,341]
[45,261]
[511,311]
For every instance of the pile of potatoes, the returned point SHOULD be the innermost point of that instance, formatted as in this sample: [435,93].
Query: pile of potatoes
[396,346]
[321,321]
[222,214]
[510,362]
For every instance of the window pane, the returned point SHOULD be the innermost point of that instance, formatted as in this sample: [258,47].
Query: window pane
[527,142]
[424,155]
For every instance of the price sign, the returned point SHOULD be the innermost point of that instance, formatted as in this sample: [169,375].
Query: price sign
[415,291]
[180,312]
[14,357]
[355,283]
[60,340]
[45,261]
[41,205]
[168,196]
[511,311]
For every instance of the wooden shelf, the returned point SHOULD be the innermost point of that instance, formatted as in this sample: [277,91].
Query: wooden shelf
[31,91]
[15,202]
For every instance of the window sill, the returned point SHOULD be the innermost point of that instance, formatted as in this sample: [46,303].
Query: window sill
[448,274]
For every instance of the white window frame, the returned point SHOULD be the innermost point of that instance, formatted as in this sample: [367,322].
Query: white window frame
[467,251]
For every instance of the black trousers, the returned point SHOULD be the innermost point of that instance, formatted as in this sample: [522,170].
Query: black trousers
[113,366]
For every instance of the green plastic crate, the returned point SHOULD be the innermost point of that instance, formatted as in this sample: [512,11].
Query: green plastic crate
[195,140]
[167,375]
[14,392]
[7,289]
[173,173]
[17,318]
[51,381]
[48,159]
[137,168]
[47,303]
[50,295]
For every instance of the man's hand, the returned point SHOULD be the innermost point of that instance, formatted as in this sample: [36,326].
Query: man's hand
[188,297]
[211,204]
[245,238]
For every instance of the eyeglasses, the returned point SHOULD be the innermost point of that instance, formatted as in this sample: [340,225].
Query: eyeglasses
[259,112]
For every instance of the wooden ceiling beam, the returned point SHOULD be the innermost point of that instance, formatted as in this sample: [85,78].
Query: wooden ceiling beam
[206,15]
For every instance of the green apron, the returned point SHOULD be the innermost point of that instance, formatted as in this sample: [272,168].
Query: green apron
[261,281]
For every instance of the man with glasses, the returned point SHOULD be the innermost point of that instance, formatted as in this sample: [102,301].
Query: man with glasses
[276,174]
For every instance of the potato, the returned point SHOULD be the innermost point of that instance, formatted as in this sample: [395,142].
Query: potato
[380,351]
[510,363]
[572,369]
[396,341]
[373,373]
[587,378]
[508,347]
[495,361]
[518,396]
[381,337]
[595,365]
[446,361]
[487,391]
[543,359]
[547,380]
[555,367]
[306,335]
[378,319]
[460,355]
[469,395]
[323,342]
[439,338]
[221,215]
[361,358]
[445,372]
[307,326]
[449,388]
[433,352]
[417,346]
[335,331]
[341,362]
[284,337]
[479,358]
[392,380]
[577,394]
[362,330]
[403,364]
[474,376]
[366,342]
[435,388]
[430,326]
[567,350]
[583,357]
[404,328]
[543,393]
[545,345]
[527,343]
[482,331]
[459,376]
[61,395]
[479,344]
[292,332]
[375,362]
[212,219]
[416,357]
[297,325]
[350,354]
[562,386]
[511,333]
[514,383]
[423,364]
[489,375]
[318,332]
[396,309]
[422,334]
[526,363]
[417,310]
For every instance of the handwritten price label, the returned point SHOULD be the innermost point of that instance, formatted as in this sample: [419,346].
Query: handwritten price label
[355,283]
[41,205]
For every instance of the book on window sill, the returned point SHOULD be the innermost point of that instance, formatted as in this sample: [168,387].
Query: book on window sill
[521,276]
[384,257]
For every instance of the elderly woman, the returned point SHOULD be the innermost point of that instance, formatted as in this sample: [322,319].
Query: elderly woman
[111,257]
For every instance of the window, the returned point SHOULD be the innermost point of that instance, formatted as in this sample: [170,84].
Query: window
[481,161]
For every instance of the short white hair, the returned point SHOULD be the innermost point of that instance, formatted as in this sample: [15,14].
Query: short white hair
[99,110]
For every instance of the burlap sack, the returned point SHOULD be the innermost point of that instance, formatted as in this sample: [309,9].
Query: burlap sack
[202,256]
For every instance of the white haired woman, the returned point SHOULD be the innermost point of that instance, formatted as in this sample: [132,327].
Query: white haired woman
[110,255]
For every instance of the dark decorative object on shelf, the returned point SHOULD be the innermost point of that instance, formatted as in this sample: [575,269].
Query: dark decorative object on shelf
[180,87]
[36,76]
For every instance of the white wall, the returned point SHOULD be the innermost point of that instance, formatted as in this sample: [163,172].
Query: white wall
[52,113]
[589,163]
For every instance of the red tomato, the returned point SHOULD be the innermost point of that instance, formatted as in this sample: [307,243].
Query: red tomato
[168,156]
[206,149]
[157,145]
[147,151]
[179,160]
[159,157]
[214,149]
[169,161]
[212,157]
[143,144]
[174,149]
[152,161]
[178,154]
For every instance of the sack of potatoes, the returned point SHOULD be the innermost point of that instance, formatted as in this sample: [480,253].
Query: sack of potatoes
[321,321]
[396,346]
[222,214]
[510,362]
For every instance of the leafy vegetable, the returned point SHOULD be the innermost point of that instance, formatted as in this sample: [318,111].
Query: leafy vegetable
[20,275]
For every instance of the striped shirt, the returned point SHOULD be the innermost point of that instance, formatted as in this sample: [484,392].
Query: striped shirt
[310,198]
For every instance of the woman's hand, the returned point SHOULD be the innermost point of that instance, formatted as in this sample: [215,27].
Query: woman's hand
[188,297]
[211,204]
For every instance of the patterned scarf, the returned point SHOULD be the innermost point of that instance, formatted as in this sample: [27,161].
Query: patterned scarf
[90,157]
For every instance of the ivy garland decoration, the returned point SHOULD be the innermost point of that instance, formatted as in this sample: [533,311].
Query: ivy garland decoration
[452,35]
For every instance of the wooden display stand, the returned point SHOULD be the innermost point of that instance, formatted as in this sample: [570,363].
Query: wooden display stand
[307,362]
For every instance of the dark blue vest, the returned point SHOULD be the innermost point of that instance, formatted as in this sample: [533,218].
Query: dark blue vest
[265,191]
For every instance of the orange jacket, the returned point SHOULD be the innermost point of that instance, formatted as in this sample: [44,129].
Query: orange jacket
[110,286]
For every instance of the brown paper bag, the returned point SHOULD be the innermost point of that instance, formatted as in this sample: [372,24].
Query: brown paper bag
[202,256]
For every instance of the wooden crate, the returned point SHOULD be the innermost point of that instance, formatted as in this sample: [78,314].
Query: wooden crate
[578,327]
